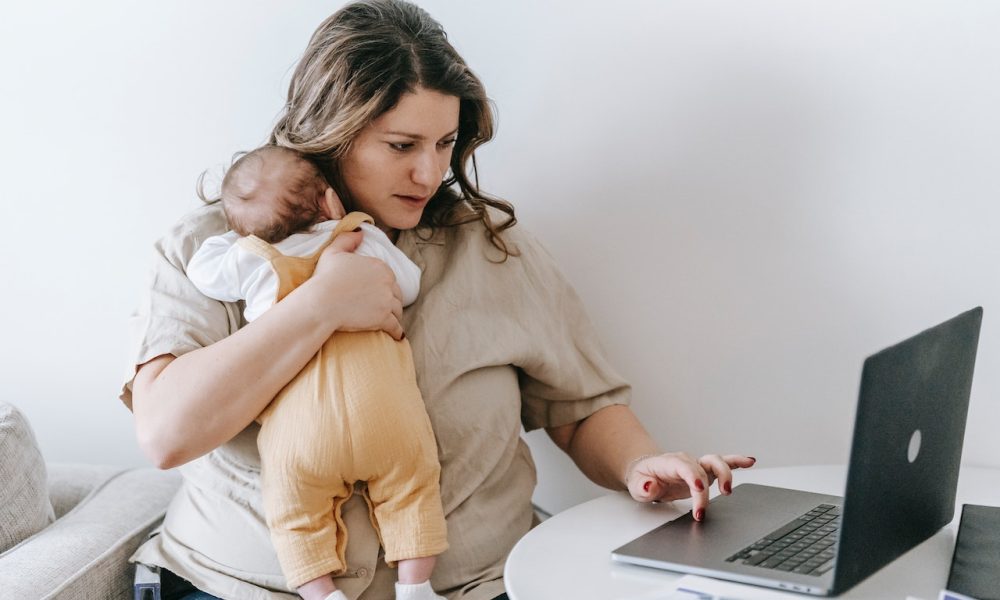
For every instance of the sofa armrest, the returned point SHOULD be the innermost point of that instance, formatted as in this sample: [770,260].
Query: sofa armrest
[71,483]
[84,554]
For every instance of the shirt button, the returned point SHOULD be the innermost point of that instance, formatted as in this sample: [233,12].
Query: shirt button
[362,572]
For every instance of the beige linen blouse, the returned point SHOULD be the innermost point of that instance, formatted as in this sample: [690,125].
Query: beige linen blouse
[496,346]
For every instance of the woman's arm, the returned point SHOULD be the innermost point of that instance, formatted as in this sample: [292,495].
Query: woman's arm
[614,450]
[186,406]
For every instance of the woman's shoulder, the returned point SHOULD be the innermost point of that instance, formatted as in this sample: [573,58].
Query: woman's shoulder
[183,239]
[463,263]
[475,235]
[469,249]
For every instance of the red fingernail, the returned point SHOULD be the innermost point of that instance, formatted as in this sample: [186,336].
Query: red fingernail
[728,486]
[699,514]
[402,337]
[699,485]
[645,486]
[752,458]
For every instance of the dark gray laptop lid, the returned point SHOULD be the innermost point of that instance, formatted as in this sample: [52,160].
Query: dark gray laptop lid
[908,435]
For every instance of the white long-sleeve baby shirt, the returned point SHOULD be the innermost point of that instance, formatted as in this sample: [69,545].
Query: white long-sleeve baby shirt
[224,270]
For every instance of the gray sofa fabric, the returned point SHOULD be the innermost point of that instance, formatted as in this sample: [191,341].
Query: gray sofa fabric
[70,483]
[104,513]
[24,498]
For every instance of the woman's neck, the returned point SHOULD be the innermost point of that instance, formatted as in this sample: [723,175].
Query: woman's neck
[392,234]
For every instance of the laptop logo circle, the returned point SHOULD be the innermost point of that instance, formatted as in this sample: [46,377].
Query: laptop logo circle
[914,449]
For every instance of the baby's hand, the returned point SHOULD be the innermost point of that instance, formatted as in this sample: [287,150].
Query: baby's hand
[334,207]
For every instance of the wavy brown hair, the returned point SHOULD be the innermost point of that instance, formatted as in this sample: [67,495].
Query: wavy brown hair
[358,64]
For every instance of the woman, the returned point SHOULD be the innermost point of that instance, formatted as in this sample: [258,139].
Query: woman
[391,111]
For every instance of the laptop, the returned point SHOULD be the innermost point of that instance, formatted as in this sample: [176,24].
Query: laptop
[901,483]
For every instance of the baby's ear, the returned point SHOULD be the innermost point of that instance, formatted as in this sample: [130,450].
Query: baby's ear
[334,208]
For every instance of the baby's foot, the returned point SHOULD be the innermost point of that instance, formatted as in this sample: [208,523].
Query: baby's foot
[416,591]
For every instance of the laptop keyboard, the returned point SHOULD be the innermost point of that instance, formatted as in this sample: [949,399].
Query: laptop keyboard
[805,545]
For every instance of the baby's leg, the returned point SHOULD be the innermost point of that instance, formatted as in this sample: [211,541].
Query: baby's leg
[407,509]
[303,495]
[396,454]
[414,579]
[321,588]
[416,570]
[306,530]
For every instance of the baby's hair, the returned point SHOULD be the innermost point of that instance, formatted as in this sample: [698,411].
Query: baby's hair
[297,202]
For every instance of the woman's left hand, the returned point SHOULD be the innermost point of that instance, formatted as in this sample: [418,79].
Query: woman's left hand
[676,475]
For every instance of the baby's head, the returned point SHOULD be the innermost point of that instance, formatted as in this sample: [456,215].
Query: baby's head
[273,192]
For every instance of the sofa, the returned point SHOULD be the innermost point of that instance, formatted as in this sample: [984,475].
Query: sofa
[67,530]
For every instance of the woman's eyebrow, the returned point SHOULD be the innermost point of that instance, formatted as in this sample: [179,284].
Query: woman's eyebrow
[417,136]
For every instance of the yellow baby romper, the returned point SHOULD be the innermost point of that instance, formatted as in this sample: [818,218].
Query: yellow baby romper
[353,413]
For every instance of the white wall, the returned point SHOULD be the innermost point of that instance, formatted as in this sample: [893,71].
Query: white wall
[749,196]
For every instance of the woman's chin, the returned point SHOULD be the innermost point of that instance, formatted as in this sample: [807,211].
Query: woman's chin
[403,222]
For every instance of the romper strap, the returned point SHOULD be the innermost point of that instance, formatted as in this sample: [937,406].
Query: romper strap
[255,245]
[350,222]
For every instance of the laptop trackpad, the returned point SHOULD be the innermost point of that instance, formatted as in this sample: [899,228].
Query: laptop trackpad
[731,523]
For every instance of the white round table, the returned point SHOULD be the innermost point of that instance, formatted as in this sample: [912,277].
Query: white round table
[569,555]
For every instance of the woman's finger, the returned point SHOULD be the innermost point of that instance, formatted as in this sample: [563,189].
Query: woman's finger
[669,477]
[717,468]
[393,327]
[397,307]
[639,482]
[345,242]
[676,475]
[644,488]
[738,461]
[697,481]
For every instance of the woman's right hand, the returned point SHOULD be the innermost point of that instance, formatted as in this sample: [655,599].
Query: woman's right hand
[356,293]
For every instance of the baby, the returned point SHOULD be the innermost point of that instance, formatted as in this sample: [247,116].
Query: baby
[354,412]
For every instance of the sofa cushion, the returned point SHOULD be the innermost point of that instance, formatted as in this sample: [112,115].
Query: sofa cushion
[24,494]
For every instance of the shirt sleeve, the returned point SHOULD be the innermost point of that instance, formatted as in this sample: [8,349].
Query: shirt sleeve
[215,268]
[173,317]
[376,244]
[565,376]
[222,270]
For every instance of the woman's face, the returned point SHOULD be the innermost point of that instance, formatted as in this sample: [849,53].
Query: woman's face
[397,162]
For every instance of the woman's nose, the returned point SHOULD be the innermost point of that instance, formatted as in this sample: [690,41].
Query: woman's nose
[425,169]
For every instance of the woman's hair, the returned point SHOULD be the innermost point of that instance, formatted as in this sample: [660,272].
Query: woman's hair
[359,63]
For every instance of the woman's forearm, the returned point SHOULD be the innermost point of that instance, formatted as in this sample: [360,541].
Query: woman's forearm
[603,444]
[186,406]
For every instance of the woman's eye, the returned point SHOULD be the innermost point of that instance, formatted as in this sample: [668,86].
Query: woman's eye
[400,146]
[446,143]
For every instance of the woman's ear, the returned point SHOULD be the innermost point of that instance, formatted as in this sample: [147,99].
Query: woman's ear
[332,205]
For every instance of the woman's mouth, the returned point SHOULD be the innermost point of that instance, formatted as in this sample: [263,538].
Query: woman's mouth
[413,199]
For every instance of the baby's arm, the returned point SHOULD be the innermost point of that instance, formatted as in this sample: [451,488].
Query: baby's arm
[376,245]
[223,270]
[214,268]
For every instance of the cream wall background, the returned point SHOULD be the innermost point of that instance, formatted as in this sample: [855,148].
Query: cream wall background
[749,196]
